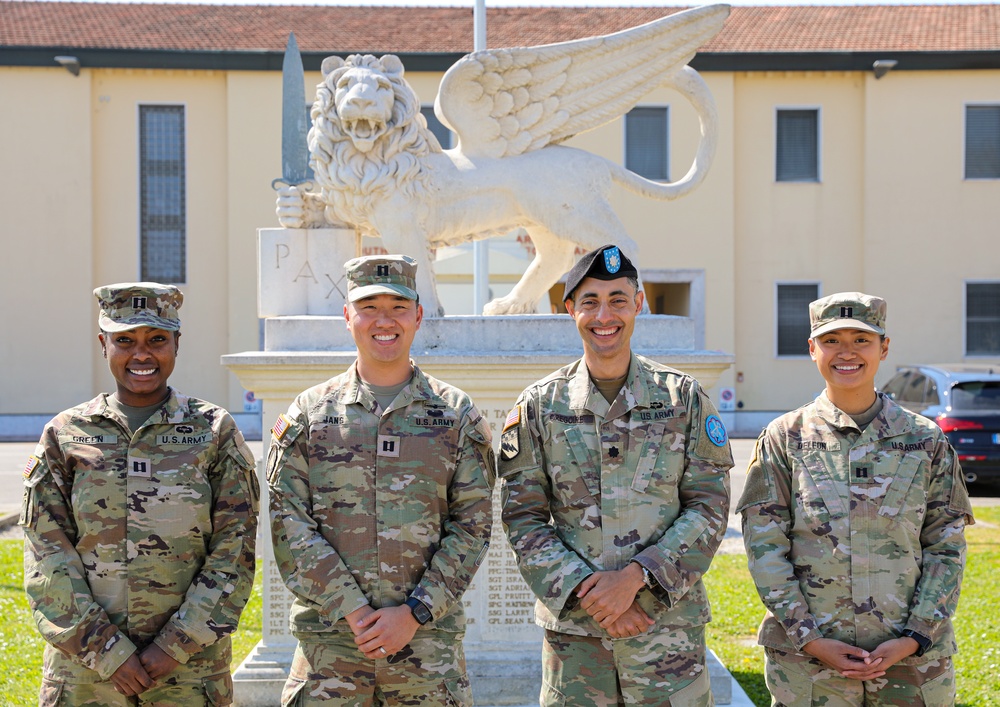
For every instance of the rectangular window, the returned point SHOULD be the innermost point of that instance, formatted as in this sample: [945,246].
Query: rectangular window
[793,318]
[443,134]
[646,143]
[797,157]
[162,196]
[982,318]
[982,142]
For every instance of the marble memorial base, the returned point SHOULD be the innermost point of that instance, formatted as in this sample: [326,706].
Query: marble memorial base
[492,359]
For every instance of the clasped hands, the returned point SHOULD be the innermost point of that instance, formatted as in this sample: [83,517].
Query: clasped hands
[609,598]
[380,633]
[857,663]
[140,671]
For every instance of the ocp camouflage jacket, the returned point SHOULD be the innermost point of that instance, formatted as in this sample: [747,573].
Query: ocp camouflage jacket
[855,535]
[371,507]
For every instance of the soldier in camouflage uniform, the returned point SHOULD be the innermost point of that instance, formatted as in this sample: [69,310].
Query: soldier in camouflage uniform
[139,516]
[615,473]
[380,484]
[853,518]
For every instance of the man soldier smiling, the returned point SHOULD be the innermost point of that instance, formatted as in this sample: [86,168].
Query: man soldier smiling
[380,484]
[616,487]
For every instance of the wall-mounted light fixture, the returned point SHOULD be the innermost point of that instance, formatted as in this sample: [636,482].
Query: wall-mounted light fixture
[881,67]
[70,63]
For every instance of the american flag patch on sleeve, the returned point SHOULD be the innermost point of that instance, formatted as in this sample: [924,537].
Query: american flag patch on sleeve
[33,462]
[513,418]
[280,427]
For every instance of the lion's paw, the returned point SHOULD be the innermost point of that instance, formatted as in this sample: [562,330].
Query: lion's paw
[508,305]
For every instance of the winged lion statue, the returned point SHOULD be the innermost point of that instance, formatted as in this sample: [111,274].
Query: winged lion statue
[381,171]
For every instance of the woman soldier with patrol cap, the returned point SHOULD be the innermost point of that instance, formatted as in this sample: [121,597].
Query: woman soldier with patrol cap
[853,518]
[140,517]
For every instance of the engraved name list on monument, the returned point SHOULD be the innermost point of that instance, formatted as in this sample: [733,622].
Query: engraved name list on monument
[499,606]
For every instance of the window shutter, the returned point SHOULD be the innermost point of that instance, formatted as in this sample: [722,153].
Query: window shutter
[646,150]
[793,318]
[798,146]
[982,142]
[162,208]
[982,318]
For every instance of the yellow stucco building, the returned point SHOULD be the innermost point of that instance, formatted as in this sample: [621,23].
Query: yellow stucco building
[859,150]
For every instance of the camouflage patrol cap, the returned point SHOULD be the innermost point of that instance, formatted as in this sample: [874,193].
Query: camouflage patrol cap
[381,275]
[605,263]
[847,310]
[130,305]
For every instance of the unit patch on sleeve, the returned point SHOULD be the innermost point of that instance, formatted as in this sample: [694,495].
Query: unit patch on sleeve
[509,447]
[716,430]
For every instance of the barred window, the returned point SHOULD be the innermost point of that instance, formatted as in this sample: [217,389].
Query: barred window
[646,142]
[163,227]
[982,318]
[797,158]
[443,134]
[982,142]
[793,318]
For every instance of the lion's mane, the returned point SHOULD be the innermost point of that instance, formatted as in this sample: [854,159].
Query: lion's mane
[350,180]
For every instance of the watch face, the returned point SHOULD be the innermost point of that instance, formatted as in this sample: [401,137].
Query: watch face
[420,612]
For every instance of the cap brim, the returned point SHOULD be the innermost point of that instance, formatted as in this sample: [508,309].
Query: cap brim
[845,324]
[380,289]
[111,325]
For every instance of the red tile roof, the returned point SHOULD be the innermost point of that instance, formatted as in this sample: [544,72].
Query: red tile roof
[405,30]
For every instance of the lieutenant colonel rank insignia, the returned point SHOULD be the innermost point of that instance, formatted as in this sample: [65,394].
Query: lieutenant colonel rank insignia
[509,447]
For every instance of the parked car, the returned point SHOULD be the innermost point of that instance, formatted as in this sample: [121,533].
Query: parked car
[964,400]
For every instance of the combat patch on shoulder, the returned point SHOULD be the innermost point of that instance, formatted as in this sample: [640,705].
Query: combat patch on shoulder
[513,418]
[716,431]
[281,426]
[32,464]
[509,446]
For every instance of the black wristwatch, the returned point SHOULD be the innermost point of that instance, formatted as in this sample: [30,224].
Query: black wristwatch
[923,642]
[419,610]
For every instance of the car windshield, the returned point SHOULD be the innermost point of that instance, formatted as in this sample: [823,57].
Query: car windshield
[976,395]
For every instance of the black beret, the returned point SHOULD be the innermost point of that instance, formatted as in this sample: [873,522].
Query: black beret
[605,263]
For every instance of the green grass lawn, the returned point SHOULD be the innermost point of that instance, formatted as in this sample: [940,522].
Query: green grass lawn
[736,609]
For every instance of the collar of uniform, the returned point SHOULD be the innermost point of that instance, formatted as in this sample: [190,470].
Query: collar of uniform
[357,393]
[890,422]
[893,419]
[833,414]
[176,407]
[584,394]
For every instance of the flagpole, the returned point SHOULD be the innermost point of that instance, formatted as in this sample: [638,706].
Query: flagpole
[480,249]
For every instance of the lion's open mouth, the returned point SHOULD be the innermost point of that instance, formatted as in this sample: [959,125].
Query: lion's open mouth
[364,131]
[364,128]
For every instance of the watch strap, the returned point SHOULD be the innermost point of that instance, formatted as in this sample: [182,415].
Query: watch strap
[923,642]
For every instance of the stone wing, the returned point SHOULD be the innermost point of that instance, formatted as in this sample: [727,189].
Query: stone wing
[504,102]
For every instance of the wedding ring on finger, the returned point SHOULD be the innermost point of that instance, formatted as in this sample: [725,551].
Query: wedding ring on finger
[382,648]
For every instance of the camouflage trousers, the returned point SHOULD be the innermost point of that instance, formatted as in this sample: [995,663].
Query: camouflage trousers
[207,692]
[796,680]
[428,672]
[664,669]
